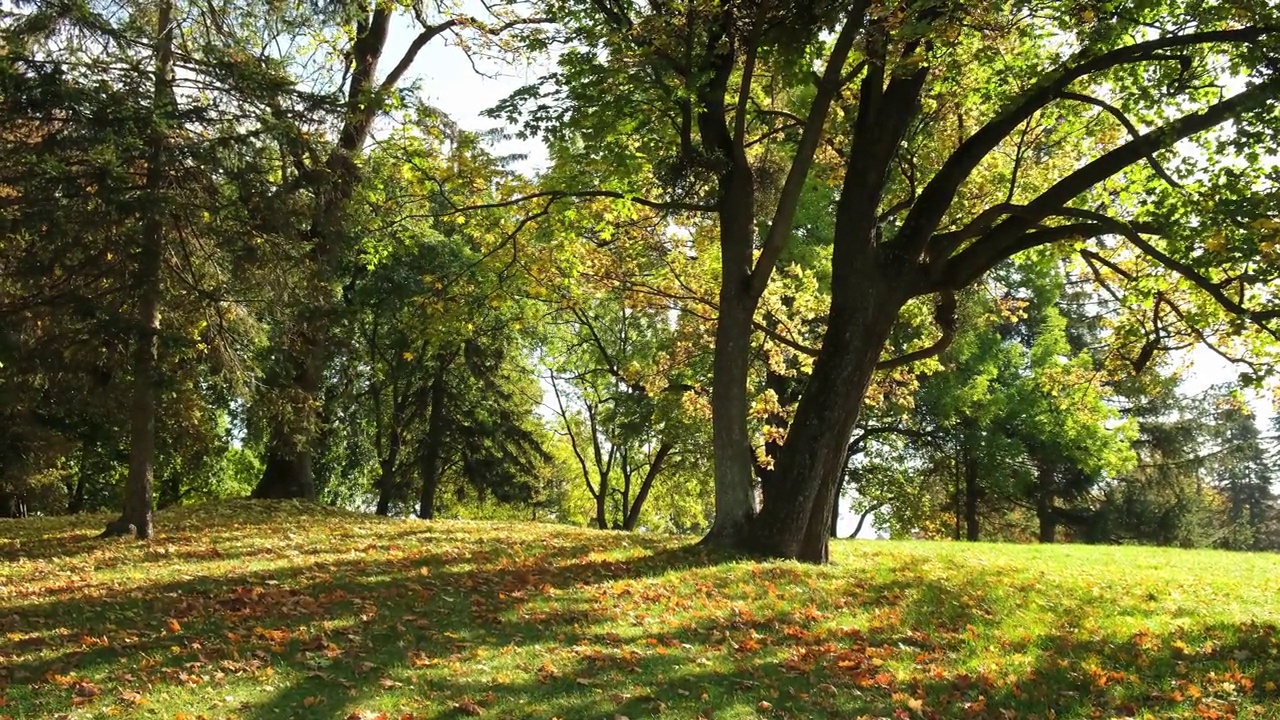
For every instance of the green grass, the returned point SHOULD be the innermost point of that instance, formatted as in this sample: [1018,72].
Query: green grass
[260,611]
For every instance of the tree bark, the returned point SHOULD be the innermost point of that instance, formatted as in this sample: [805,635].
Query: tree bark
[387,467]
[429,460]
[288,472]
[835,507]
[795,520]
[735,501]
[972,497]
[602,507]
[1044,503]
[642,493]
[137,511]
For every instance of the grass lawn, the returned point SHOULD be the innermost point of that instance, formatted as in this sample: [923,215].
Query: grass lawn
[262,611]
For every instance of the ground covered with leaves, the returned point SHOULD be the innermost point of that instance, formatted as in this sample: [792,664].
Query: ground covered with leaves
[259,610]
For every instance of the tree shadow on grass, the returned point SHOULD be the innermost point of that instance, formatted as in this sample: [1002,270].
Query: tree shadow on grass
[425,629]
[329,626]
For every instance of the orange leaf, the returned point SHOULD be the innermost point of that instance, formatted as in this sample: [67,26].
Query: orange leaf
[173,626]
[84,688]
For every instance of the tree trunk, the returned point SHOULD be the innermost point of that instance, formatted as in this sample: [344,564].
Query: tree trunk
[642,493]
[795,520]
[387,469]
[75,499]
[835,507]
[862,519]
[735,501]
[137,509]
[1044,503]
[972,496]
[288,469]
[602,508]
[429,460]
[957,498]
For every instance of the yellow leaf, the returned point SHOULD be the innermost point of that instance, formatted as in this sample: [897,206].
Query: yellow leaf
[1217,242]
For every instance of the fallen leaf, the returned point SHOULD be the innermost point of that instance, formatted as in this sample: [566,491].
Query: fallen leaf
[467,707]
[85,689]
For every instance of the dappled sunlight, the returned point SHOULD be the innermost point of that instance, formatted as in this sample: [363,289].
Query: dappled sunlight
[307,612]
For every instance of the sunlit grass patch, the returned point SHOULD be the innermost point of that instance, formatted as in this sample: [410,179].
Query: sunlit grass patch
[278,610]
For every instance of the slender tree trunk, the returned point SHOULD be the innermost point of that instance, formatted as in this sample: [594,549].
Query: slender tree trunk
[642,493]
[972,496]
[75,499]
[862,519]
[387,467]
[735,500]
[137,512]
[602,510]
[1044,503]
[957,498]
[795,520]
[429,460]
[835,507]
[288,472]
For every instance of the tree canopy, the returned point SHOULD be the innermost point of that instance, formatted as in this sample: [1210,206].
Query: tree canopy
[940,264]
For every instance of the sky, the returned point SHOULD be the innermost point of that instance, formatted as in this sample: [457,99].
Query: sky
[450,83]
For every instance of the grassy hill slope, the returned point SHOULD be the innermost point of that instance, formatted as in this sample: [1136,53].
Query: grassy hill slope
[262,611]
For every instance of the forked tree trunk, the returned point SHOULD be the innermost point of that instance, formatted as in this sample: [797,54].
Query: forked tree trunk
[795,520]
[137,511]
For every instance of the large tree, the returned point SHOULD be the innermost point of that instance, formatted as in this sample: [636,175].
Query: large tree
[323,177]
[953,137]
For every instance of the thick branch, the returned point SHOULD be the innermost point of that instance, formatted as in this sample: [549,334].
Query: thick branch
[1010,236]
[793,186]
[1120,117]
[410,54]
[938,195]
[945,317]
[568,194]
